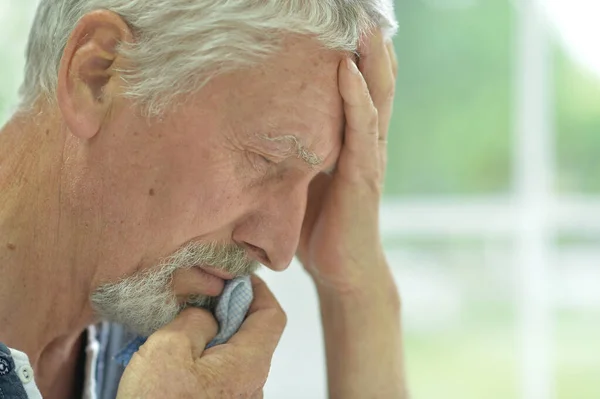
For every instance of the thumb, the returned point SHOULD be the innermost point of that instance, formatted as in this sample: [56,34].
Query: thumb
[194,326]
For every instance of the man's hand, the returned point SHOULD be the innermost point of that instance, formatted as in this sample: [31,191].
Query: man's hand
[174,364]
[340,245]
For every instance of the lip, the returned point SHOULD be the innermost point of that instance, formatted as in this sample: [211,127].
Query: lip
[216,272]
[204,283]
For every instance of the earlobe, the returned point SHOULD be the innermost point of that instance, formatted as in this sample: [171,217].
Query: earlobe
[87,79]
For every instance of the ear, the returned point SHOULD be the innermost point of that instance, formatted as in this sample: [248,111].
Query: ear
[87,78]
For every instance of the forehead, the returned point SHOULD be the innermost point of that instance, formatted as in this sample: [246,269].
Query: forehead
[293,92]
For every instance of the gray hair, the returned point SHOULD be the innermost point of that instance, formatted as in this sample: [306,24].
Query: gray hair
[180,44]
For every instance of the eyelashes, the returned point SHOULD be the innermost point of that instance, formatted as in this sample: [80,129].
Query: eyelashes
[259,163]
[266,160]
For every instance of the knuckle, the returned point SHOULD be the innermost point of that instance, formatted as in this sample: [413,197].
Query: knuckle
[365,92]
[282,319]
[374,184]
[165,337]
[193,314]
[373,120]
[279,316]
[168,339]
[195,317]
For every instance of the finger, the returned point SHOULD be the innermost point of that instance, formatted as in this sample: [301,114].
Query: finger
[359,157]
[247,355]
[316,191]
[191,330]
[376,66]
[265,322]
[393,58]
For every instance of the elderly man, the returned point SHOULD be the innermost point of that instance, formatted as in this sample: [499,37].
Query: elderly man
[163,147]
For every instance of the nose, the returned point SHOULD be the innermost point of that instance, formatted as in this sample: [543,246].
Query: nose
[272,231]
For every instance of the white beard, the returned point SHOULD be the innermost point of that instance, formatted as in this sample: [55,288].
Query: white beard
[145,302]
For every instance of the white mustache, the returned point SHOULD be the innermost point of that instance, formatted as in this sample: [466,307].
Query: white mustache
[144,302]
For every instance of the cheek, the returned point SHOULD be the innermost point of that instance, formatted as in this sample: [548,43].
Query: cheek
[202,197]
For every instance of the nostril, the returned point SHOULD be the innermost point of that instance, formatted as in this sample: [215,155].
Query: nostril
[259,253]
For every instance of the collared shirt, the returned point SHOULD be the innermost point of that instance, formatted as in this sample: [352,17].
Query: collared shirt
[102,372]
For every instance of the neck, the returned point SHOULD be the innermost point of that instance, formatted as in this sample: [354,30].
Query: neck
[44,288]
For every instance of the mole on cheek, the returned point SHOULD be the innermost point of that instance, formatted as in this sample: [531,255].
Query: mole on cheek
[11,246]
[151,192]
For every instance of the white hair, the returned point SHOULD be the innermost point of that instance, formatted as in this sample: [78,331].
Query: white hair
[180,44]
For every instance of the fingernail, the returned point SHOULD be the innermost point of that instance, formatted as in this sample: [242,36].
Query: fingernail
[352,66]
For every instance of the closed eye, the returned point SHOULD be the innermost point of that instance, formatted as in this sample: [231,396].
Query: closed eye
[261,163]
[265,159]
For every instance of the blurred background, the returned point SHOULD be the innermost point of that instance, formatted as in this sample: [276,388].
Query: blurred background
[491,216]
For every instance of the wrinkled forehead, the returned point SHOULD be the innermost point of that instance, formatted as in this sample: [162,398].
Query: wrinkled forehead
[293,92]
[299,85]
[306,66]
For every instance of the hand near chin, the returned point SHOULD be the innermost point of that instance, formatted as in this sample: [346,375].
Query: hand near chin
[340,245]
[174,364]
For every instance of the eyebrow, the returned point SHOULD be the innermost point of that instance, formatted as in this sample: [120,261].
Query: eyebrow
[302,151]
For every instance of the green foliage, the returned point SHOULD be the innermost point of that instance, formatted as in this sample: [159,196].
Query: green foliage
[451,125]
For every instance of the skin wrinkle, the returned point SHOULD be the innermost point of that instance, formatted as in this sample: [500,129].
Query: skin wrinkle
[302,151]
